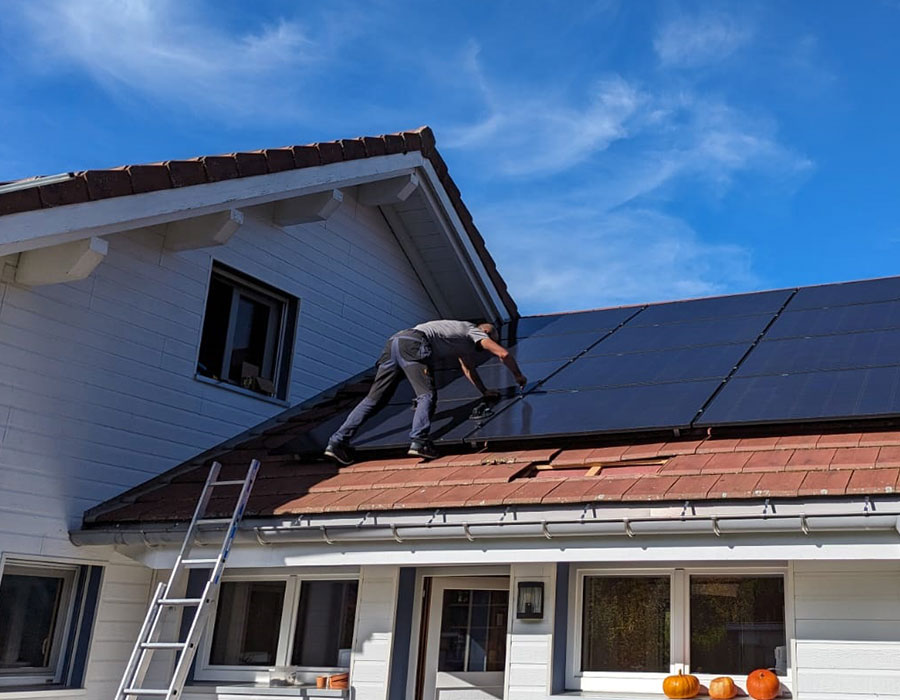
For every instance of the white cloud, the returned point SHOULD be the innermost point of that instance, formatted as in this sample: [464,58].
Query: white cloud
[690,42]
[167,51]
[596,258]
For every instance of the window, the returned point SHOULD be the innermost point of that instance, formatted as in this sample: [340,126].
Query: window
[248,330]
[634,628]
[473,630]
[259,624]
[46,611]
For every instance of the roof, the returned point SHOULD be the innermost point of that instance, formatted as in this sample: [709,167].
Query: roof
[550,445]
[805,465]
[38,193]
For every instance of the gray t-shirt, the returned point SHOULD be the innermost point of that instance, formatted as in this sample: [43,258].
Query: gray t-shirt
[451,339]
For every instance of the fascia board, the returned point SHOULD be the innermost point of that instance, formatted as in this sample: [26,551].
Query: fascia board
[46,227]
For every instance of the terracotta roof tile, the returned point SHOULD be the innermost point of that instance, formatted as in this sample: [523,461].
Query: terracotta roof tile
[610,489]
[692,487]
[888,456]
[779,484]
[19,201]
[625,469]
[839,440]
[374,146]
[725,462]
[881,438]
[149,178]
[854,457]
[820,483]
[250,163]
[873,481]
[394,143]
[102,184]
[458,496]
[305,156]
[383,499]
[572,457]
[59,194]
[650,488]
[797,442]
[570,490]
[683,447]
[768,461]
[186,172]
[734,486]
[648,451]
[353,149]
[805,460]
[685,464]
[425,497]
[530,491]
[330,152]
[220,168]
[308,503]
[718,445]
[756,443]
[380,465]
[280,159]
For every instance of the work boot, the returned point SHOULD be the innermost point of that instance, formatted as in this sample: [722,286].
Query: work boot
[422,448]
[340,452]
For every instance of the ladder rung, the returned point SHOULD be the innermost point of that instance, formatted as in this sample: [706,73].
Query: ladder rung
[228,482]
[214,521]
[162,645]
[179,601]
[188,562]
[146,691]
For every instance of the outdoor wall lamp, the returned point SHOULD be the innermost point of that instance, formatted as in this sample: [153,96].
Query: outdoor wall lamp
[530,601]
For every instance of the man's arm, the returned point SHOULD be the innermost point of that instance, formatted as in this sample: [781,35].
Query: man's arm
[473,376]
[502,354]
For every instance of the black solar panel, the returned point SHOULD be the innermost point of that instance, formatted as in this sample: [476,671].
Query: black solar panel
[579,322]
[554,347]
[854,393]
[823,353]
[837,319]
[715,361]
[391,426]
[714,307]
[629,338]
[846,293]
[632,408]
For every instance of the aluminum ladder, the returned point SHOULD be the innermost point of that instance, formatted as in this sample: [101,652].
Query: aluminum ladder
[148,639]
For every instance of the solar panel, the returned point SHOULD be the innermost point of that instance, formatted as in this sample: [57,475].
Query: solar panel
[714,361]
[741,329]
[657,406]
[713,307]
[579,322]
[838,319]
[846,293]
[553,347]
[823,353]
[390,427]
[853,393]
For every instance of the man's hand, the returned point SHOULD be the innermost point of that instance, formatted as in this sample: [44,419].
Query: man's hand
[521,380]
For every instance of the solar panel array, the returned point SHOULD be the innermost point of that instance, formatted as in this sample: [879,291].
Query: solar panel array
[830,352]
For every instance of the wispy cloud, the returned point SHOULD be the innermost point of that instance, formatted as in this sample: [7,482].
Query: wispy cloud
[171,52]
[692,41]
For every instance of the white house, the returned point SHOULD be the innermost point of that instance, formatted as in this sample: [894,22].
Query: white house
[150,312]
[705,486]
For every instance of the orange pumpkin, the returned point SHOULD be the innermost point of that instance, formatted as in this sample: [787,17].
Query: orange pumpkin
[681,686]
[722,688]
[763,685]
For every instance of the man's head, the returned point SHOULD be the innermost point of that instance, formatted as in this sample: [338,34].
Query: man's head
[490,330]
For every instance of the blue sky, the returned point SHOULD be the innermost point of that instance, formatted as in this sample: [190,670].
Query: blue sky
[611,152]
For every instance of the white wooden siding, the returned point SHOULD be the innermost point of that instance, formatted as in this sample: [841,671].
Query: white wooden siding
[847,630]
[373,638]
[97,388]
[529,648]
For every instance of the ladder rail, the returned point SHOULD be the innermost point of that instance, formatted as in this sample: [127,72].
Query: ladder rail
[141,655]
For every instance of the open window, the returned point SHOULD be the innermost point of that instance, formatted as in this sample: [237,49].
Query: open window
[633,628]
[248,332]
[46,612]
[306,624]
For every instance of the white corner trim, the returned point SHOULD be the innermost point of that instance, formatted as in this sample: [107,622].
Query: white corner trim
[203,231]
[67,262]
[45,227]
[463,245]
[307,209]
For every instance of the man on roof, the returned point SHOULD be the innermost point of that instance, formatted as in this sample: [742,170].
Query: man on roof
[414,352]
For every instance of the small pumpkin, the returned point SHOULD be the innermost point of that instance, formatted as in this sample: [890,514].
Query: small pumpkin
[681,686]
[762,684]
[722,688]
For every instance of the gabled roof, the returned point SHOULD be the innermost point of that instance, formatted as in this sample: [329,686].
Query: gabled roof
[34,194]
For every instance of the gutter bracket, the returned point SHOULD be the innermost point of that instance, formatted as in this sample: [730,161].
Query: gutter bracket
[147,543]
[766,507]
[803,524]
[715,526]
[465,527]
[627,523]
[545,531]
[325,536]
[687,506]
[262,542]
[395,533]
[868,505]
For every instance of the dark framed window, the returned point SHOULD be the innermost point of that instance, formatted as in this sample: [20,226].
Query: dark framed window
[46,614]
[473,630]
[248,331]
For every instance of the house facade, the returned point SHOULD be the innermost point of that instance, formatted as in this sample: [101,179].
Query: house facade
[150,312]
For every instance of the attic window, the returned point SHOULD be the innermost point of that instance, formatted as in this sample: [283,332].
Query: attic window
[248,332]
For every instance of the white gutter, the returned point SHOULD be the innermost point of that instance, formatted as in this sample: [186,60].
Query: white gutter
[716,526]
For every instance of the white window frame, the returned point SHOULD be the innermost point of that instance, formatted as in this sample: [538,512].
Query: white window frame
[275,356]
[679,634]
[54,673]
[205,671]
